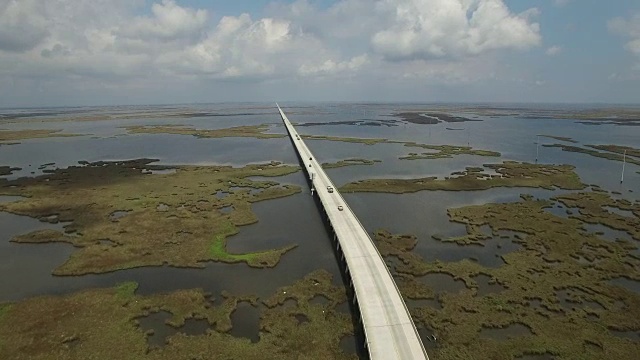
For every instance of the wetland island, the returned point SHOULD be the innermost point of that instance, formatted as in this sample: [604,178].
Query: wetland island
[189,232]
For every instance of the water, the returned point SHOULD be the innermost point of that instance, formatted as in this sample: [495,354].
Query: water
[443,283]
[432,303]
[8,199]
[25,270]
[294,221]
[631,335]
[158,329]
[567,303]
[114,216]
[629,284]
[30,154]
[485,286]
[246,322]
[607,233]
[226,209]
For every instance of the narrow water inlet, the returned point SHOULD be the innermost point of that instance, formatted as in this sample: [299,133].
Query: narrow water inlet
[246,322]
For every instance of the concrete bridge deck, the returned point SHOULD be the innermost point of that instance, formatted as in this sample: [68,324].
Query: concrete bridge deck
[387,325]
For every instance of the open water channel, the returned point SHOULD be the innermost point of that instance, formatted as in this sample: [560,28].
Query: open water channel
[25,270]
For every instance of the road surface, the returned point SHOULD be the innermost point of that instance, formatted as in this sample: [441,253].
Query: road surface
[388,328]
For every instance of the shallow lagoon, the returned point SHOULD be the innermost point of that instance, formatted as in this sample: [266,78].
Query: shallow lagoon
[25,269]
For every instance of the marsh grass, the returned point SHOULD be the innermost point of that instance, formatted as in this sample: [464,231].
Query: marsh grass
[509,174]
[103,324]
[191,223]
[570,307]
[254,131]
[10,136]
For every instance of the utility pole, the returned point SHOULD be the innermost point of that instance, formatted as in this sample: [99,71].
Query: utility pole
[624,161]
[537,147]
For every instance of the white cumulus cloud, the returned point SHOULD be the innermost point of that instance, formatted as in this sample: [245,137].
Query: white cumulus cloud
[168,21]
[452,28]
[73,44]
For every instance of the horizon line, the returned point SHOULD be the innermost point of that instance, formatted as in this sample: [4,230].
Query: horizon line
[361,102]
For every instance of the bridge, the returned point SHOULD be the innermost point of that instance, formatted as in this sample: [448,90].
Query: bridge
[389,331]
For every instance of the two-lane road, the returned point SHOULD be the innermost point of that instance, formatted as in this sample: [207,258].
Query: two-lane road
[389,330]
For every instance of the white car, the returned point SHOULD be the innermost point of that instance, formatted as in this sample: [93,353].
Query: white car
[340,207]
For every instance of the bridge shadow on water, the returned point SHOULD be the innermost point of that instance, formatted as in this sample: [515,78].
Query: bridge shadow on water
[360,339]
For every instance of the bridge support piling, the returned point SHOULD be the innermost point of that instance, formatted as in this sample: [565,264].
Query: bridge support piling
[384,329]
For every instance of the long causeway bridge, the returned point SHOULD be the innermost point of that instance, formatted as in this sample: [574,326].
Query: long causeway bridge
[389,331]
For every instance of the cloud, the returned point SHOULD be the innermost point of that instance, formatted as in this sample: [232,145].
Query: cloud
[561,3]
[332,67]
[241,47]
[452,28]
[56,50]
[629,28]
[123,43]
[554,50]
[238,46]
[169,21]
[21,26]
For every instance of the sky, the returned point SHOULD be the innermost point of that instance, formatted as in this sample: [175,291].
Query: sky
[121,52]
